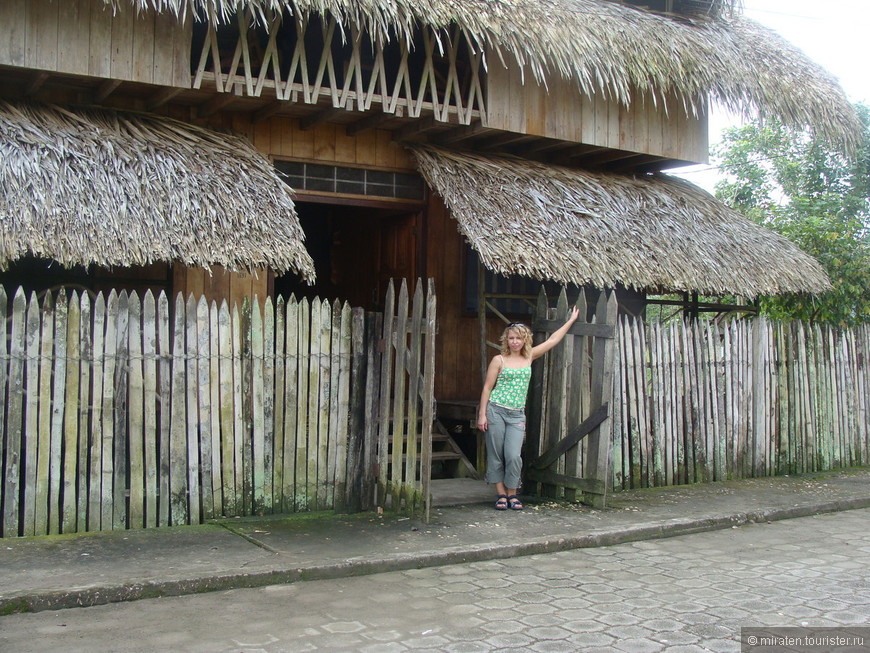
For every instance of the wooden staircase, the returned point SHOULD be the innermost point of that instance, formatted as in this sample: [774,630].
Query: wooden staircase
[448,459]
[446,451]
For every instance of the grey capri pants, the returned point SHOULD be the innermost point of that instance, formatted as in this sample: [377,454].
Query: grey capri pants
[504,444]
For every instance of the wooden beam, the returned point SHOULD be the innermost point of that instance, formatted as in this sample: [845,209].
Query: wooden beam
[318,117]
[162,96]
[577,329]
[36,83]
[104,90]
[415,130]
[543,145]
[218,102]
[572,439]
[372,121]
[633,163]
[606,156]
[268,111]
[588,485]
[458,134]
[503,139]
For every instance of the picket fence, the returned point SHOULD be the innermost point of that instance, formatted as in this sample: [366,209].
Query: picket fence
[701,401]
[121,413]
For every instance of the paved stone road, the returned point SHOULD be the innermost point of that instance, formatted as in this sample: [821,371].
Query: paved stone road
[690,593]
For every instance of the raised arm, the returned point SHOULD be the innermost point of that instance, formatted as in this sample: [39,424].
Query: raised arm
[488,384]
[556,338]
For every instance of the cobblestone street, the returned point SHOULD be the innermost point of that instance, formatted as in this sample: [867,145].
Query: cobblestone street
[689,593]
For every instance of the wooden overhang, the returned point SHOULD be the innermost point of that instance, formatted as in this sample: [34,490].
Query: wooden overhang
[111,188]
[649,232]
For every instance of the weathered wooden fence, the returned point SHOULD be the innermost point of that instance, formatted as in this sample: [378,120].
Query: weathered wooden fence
[701,401]
[407,411]
[122,413]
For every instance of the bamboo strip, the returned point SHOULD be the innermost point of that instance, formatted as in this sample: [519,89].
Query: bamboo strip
[31,417]
[383,433]
[401,430]
[239,431]
[212,353]
[151,425]
[191,430]
[201,381]
[303,499]
[412,488]
[226,385]
[55,505]
[136,423]
[341,415]
[291,410]
[164,389]
[312,373]
[14,419]
[257,408]
[268,400]
[245,435]
[178,484]
[280,402]
[43,433]
[121,380]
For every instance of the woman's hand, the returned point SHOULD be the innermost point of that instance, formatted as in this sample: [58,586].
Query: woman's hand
[575,313]
[482,423]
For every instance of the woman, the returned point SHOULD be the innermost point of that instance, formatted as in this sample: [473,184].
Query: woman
[501,413]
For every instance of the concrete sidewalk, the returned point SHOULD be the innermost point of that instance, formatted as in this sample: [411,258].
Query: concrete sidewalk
[44,573]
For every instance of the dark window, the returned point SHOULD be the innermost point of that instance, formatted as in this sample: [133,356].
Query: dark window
[353,181]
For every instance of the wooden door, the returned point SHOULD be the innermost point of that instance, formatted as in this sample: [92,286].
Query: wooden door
[397,250]
[568,429]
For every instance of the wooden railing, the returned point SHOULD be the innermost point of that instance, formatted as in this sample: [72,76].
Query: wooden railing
[701,401]
[348,69]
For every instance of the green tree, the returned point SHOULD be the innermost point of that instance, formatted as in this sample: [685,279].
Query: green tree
[813,195]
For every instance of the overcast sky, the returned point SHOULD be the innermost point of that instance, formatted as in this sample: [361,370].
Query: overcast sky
[833,33]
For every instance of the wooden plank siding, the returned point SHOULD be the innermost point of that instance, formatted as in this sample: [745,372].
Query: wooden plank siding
[517,103]
[88,37]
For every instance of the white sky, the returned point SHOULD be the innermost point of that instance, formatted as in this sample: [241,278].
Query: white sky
[833,33]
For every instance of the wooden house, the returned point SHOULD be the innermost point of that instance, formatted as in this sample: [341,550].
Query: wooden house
[407,131]
[278,147]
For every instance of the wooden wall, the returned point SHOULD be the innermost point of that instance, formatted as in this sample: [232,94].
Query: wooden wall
[220,283]
[85,37]
[561,111]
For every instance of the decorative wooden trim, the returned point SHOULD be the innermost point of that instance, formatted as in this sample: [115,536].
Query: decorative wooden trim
[455,98]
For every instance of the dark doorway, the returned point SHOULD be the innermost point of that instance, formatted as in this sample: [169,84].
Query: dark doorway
[356,251]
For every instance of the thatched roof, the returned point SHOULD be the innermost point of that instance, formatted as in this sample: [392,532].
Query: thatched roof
[655,233]
[106,188]
[607,47]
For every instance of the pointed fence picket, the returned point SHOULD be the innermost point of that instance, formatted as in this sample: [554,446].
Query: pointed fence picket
[118,412]
[703,401]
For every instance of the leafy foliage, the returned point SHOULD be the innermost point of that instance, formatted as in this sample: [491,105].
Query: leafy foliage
[802,188]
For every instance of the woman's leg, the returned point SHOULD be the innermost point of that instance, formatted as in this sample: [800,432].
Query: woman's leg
[512,448]
[494,439]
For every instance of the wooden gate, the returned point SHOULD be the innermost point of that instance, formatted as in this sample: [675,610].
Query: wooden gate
[568,427]
[406,408]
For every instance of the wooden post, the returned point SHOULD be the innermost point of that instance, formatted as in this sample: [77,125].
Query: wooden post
[598,448]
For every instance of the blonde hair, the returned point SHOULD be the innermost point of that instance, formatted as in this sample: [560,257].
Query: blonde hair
[521,330]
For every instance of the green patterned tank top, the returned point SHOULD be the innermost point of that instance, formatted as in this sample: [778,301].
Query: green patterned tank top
[511,387]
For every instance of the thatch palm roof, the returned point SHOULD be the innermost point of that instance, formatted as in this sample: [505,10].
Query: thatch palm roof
[608,47]
[99,187]
[655,233]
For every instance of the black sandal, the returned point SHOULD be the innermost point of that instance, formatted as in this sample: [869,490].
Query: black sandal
[501,502]
[514,502]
